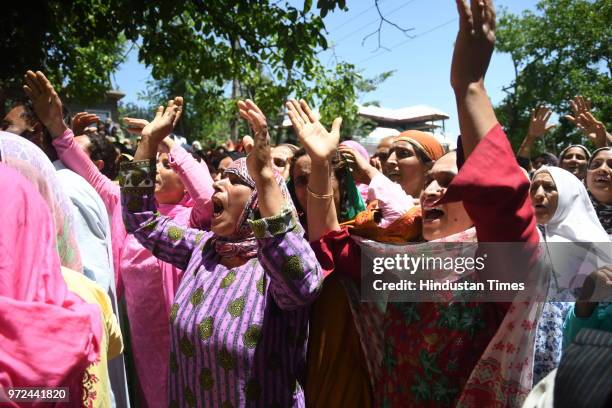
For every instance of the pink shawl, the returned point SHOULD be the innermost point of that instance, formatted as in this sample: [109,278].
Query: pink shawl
[48,335]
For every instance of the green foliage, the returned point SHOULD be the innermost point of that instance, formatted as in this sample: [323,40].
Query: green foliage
[67,40]
[560,51]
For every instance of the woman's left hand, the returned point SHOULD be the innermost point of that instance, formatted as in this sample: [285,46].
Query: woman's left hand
[259,160]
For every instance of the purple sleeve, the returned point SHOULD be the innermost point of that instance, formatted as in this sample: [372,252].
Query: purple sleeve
[167,240]
[76,160]
[289,261]
[197,180]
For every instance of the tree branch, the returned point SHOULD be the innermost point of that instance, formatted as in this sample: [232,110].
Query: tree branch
[377,32]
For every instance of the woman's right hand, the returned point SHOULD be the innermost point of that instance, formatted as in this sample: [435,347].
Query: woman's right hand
[320,144]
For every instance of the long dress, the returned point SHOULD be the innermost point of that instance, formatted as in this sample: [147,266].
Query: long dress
[238,335]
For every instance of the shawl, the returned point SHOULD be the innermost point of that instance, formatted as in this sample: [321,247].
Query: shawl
[63,333]
[30,161]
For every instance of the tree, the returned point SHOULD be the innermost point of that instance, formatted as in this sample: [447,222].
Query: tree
[561,51]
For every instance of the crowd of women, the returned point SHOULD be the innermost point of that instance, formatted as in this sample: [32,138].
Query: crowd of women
[160,284]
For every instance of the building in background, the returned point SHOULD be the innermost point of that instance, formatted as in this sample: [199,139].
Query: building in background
[108,108]
[391,122]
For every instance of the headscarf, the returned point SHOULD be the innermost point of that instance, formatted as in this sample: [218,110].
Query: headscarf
[48,334]
[30,161]
[423,141]
[603,210]
[363,188]
[564,151]
[575,240]
[242,243]
[575,219]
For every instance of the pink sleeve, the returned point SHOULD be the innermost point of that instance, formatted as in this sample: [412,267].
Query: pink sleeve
[495,192]
[197,180]
[392,199]
[76,160]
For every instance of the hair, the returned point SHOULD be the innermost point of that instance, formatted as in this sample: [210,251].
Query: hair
[29,114]
[102,149]
[232,155]
[549,159]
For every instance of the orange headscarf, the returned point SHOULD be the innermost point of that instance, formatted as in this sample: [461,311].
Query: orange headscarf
[423,141]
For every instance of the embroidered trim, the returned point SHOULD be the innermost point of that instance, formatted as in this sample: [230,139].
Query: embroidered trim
[275,225]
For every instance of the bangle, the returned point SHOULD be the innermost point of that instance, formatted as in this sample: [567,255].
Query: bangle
[321,196]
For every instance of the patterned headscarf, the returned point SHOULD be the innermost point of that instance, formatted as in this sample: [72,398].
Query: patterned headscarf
[242,243]
[423,141]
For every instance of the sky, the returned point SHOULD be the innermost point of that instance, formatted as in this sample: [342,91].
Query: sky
[421,64]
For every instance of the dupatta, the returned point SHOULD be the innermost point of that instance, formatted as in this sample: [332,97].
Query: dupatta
[48,334]
[31,162]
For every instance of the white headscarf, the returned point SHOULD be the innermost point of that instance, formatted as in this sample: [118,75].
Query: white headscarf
[575,219]
[576,242]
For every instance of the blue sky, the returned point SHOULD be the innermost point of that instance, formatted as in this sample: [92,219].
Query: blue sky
[422,64]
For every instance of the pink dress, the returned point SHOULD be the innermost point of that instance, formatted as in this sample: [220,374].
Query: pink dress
[149,284]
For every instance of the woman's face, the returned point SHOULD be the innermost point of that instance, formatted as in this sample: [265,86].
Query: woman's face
[229,200]
[300,174]
[544,197]
[169,188]
[575,161]
[405,168]
[442,220]
[599,177]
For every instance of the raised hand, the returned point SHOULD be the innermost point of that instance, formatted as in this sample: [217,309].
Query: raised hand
[163,123]
[362,170]
[538,124]
[81,120]
[135,125]
[259,160]
[47,104]
[579,105]
[320,144]
[475,42]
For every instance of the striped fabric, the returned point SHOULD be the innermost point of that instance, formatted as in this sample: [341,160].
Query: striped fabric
[584,376]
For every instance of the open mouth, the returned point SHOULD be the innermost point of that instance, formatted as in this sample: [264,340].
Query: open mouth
[217,206]
[601,179]
[432,214]
[393,175]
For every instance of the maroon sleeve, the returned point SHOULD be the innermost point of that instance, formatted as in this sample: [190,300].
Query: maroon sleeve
[338,253]
[495,192]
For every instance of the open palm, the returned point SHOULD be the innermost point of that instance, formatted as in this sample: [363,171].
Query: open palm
[318,142]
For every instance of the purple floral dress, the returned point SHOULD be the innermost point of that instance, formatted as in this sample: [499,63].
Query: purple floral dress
[238,335]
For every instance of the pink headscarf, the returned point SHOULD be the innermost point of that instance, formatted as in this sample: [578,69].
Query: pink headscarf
[48,334]
[363,188]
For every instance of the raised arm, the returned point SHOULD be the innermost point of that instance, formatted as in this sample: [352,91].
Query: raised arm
[537,128]
[584,120]
[168,241]
[473,50]
[48,107]
[284,253]
[320,145]
[195,177]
